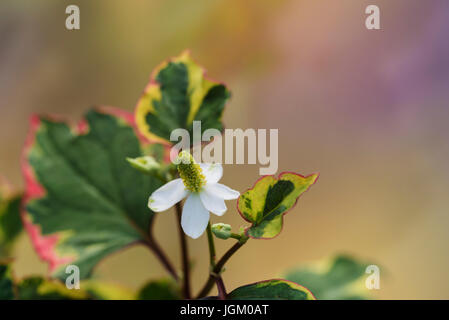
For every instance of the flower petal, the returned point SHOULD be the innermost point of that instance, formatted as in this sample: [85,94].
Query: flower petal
[223,191]
[212,171]
[212,201]
[195,217]
[167,195]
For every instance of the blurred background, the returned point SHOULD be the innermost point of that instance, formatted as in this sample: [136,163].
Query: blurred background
[367,109]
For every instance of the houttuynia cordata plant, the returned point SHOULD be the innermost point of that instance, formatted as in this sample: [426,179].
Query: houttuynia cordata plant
[98,187]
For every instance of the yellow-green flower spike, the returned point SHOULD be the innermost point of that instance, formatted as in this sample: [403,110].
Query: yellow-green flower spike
[190,172]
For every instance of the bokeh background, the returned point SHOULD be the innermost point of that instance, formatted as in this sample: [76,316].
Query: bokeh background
[367,109]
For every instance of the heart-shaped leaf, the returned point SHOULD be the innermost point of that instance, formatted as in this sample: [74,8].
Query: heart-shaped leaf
[178,94]
[10,222]
[275,289]
[341,278]
[265,204]
[83,200]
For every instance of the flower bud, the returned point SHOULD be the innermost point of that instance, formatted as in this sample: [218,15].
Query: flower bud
[145,164]
[222,230]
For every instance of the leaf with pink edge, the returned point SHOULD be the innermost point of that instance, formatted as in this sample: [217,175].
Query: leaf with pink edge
[83,201]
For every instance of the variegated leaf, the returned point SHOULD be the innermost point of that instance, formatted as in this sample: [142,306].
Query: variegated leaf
[178,94]
[269,200]
[83,200]
[275,289]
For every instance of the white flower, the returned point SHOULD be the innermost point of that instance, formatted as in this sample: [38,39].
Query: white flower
[199,183]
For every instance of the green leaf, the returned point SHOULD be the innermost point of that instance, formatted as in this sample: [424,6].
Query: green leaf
[269,200]
[6,283]
[10,222]
[275,289]
[341,278]
[164,289]
[84,201]
[178,94]
[38,288]
[99,290]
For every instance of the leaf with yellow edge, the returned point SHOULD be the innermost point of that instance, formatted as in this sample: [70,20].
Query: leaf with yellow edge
[266,203]
[274,289]
[178,94]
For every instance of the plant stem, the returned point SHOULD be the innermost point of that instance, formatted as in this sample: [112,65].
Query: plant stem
[221,288]
[210,240]
[218,268]
[154,246]
[218,279]
[185,255]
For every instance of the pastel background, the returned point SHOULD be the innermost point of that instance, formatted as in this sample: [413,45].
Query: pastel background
[367,109]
